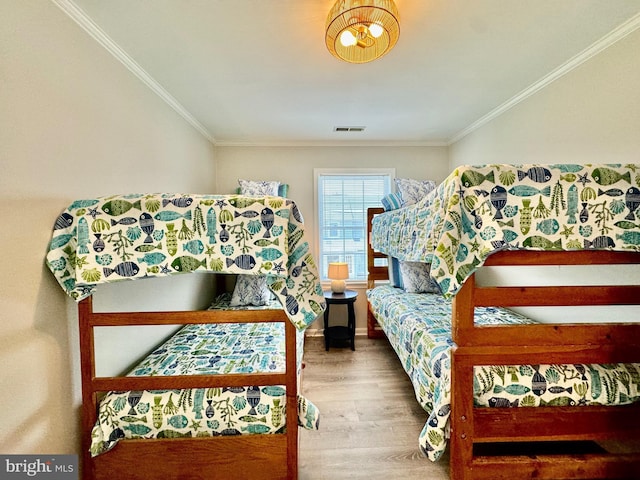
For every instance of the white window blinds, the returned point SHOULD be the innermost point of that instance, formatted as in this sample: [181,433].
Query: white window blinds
[343,199]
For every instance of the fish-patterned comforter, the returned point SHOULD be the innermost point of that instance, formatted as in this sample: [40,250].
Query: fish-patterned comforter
[418,327]
[127,237]
[203,412]
[478,210]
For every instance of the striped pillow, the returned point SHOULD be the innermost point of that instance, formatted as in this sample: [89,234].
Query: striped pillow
[391,201]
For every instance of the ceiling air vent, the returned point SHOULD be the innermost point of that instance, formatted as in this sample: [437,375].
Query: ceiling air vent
[349,129]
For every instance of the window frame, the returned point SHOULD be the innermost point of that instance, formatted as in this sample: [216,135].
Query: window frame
[320,172]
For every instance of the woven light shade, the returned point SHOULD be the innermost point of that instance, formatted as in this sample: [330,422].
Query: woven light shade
[359,31]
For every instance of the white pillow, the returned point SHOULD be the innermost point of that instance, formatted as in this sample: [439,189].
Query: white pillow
[251,187]
[250,290]
[416,278]
[413,191]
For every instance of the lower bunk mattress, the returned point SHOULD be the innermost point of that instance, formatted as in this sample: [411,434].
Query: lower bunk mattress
[418,327]
[205,349]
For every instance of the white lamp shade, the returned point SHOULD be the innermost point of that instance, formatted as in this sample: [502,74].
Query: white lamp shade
[338,272]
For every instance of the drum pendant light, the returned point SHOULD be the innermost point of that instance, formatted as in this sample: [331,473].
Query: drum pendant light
[359,31]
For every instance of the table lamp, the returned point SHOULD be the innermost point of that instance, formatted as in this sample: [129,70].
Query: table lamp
[338,273]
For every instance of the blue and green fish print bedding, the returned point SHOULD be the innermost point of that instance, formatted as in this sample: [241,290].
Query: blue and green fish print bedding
[478,210]
[128,237]
[204,412]
[418,327]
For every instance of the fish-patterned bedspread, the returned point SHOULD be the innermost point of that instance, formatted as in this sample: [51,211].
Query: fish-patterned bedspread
[203,412]
[478,210]
[136,236]
[418,327]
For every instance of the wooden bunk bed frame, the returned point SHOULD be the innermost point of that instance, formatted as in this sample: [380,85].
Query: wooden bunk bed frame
[535,344]
[272,456]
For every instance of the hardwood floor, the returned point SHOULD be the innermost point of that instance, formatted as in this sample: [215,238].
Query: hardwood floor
[370,419]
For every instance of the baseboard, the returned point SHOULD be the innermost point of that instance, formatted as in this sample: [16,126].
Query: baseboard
[319,332]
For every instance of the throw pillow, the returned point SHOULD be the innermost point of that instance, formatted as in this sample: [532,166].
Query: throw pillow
[259,188]
[395,277]
[413,191]
[391,201]
[416,278]
[250,290]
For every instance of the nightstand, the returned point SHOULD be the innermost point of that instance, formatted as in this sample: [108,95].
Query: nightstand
[343,333]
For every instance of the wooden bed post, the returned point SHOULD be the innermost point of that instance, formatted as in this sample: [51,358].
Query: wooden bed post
[292,401]
[87,374]
[374,273]
[462,433]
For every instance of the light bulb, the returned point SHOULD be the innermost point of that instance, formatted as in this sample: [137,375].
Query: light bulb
[375,29]
[347,39]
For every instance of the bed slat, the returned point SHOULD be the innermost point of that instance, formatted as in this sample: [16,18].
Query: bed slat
[557,467]
[158,382]
[562,423]
[218,458]
[174,318]
[557,296]
[561,257]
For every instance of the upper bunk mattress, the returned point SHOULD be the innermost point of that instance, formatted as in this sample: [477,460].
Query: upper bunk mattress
[106,239]
[479,210]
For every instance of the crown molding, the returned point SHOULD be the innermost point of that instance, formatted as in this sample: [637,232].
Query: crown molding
[88,25]
[605,42]
[332,143]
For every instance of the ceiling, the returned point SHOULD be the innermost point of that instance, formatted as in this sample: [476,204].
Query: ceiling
[257,72]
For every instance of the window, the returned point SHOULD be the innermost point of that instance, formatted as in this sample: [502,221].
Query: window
[343,196]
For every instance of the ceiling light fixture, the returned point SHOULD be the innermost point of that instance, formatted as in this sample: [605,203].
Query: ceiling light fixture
[359,31]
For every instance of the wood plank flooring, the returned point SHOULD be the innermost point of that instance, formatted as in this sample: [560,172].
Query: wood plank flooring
[370,419]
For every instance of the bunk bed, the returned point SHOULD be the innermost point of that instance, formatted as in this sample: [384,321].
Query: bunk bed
[470,356]
[218,400]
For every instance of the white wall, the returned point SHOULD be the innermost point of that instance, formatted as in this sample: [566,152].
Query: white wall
[294,165]
[74,123]
[590,115]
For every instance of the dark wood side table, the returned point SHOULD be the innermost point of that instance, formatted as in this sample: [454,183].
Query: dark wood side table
[340,332]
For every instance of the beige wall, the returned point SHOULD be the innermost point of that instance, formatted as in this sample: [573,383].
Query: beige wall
[74,123]
[590,115]
[294,165]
